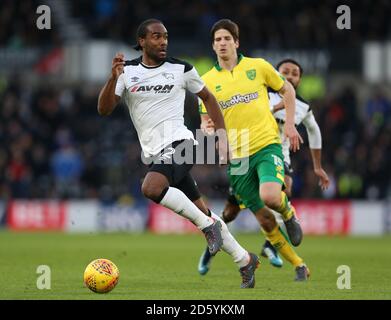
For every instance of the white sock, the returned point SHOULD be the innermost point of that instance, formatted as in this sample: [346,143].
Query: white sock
[231,246]
[177,201]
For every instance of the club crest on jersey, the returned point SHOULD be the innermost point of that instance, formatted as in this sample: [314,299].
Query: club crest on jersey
[251,74]
[153,88]
[168,75]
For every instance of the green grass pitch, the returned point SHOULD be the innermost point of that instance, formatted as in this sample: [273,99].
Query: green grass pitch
[165,267]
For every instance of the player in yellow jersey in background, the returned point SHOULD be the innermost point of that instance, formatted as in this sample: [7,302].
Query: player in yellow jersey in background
[293,72]
[256,171]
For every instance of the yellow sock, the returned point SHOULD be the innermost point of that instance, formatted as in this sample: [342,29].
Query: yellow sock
[281,243]
[285,208]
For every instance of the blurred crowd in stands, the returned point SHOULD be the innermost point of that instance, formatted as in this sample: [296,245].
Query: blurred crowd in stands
[18,28]
[262,22]
[54,144]
[356,147]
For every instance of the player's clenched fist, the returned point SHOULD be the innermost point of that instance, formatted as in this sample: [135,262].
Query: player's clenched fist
[117,66]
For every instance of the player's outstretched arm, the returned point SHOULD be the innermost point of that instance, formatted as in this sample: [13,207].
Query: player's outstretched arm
[324,181]
[108,100]
[217,119]
[315,142]
[289,97]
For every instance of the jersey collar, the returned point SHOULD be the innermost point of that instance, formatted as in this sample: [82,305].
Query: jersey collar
[218,68]
[140,61]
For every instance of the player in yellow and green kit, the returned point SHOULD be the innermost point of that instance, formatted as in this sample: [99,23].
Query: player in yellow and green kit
[256,171]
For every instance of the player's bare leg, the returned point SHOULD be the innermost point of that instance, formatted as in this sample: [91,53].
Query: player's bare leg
[288,181]
[274,198]
[247,262]
[230,212]
[156,187]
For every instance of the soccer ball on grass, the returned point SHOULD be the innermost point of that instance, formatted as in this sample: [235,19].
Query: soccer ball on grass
[101,276]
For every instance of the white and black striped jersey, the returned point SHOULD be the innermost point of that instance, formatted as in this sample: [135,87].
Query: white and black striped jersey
[155,98]
[303,114]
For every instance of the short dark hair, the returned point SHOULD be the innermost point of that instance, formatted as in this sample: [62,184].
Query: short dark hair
[142,30]
[289,60]
[226,24]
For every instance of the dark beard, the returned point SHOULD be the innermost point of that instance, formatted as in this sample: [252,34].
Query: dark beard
[155,57]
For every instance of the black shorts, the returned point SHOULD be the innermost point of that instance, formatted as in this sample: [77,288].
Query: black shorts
[175,162]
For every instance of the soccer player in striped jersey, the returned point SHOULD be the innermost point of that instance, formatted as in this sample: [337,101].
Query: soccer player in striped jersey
[240,86]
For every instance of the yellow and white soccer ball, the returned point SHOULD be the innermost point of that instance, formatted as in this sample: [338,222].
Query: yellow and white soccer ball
[101,276]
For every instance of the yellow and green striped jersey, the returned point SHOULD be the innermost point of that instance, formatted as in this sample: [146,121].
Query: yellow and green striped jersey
[243,99]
